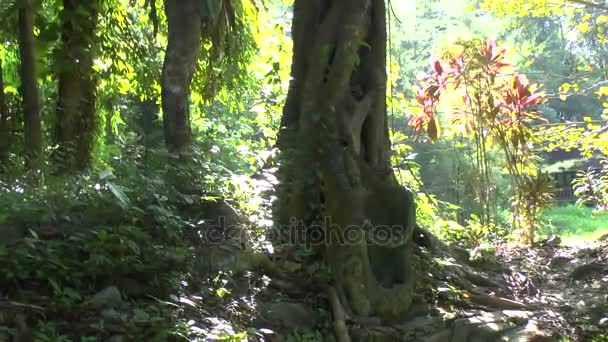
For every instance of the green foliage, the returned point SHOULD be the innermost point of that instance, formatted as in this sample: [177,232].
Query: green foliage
[478,233]
[130,221]
[535,193]
[236,95]
[66,240]
[561,47]
[591,187]
[421,28]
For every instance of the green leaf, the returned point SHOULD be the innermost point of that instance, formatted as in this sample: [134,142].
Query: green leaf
[118,191]
[54,286]
[10,90]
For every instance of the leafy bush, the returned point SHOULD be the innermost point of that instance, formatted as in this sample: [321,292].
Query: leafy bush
[66,239]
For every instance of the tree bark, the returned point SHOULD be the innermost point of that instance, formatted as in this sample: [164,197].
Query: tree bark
[76,122]
[336,170]
[4,120]
[184,43]
[31,97]
[110,138]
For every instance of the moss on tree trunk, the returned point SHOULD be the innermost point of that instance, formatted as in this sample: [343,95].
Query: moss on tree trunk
[31,98]
[336,150]
[75,126]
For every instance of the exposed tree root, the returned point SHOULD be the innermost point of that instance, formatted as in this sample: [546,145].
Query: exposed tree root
[340,328]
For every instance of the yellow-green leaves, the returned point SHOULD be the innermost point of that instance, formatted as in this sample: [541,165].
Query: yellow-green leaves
[583,27]
[565,89]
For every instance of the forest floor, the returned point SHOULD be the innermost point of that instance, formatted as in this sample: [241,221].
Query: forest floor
[567,284]
[548,292]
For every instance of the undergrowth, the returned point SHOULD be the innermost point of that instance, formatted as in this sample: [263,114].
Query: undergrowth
[96,256]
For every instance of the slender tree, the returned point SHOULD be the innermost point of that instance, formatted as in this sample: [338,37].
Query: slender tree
[184,23]
[4,129]
[30,93]
[76,121]
[336,156]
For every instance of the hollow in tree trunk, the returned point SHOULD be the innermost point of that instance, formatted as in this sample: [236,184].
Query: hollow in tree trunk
[75,126]
[335,167]
[31,98]
[184,43]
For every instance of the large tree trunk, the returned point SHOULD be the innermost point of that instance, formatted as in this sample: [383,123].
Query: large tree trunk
[336,154]
[76,119]
[31,97]
[4,120]
[184,43]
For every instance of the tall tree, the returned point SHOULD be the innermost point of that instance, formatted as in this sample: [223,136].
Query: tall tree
[31,97]
[216,35]
[336,156]
[75,126]
[184,23]
[4,130]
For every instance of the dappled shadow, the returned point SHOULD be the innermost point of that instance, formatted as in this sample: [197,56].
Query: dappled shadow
[572,284]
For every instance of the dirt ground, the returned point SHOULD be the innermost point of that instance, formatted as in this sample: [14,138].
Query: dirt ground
[547,292]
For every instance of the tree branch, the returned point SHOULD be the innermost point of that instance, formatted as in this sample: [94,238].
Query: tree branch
[590,4]
[580,92]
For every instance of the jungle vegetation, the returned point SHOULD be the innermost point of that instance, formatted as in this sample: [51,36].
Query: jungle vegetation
[203,170]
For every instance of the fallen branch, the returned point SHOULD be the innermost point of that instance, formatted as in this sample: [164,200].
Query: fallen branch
[10,305]
[496,302]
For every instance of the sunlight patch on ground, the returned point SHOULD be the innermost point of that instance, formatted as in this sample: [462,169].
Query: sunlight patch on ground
[583,240]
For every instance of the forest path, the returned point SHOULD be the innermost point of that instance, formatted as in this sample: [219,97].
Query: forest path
[547,292]
[569,285]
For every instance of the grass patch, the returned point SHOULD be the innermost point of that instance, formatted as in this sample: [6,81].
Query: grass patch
[575,224]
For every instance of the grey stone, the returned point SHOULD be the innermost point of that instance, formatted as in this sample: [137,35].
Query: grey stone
[289,315]
[559,261]
[106,298]
[587,271]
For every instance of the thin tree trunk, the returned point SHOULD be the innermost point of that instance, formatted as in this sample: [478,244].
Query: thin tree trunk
[110,138]
[76,118]
[4,120]
[109,108]
[336,155]
[184,43]
[31,97]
